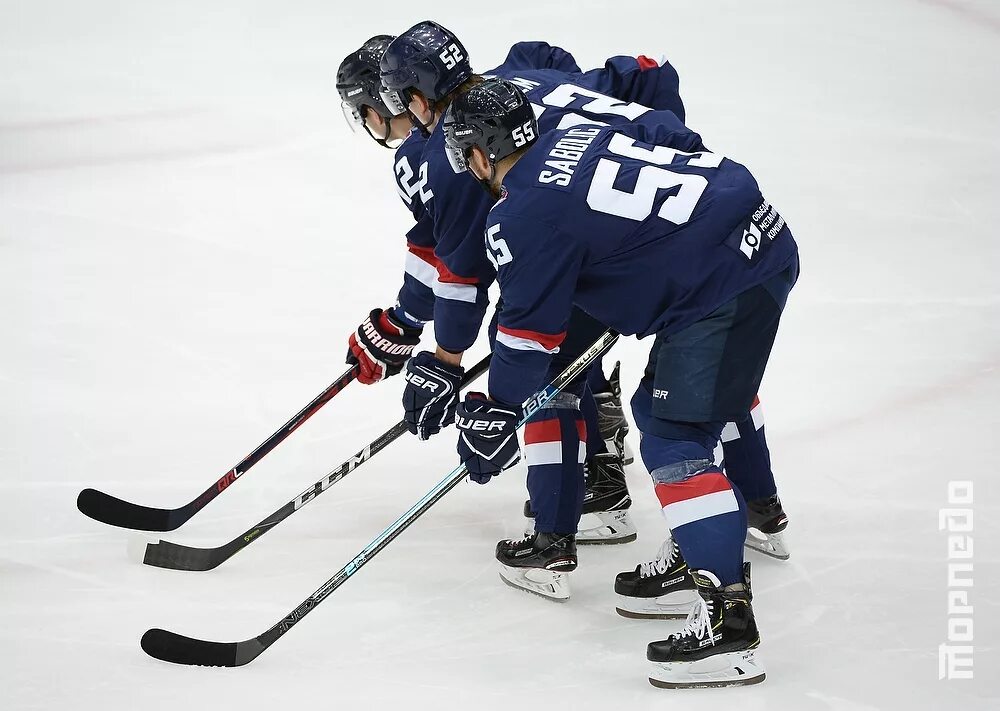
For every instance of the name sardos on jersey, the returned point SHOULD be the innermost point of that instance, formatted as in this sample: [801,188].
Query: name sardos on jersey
[565,156]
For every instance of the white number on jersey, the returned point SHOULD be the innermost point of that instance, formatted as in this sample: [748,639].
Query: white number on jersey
[409,186]
[564,95]
[496,248]
[638,204]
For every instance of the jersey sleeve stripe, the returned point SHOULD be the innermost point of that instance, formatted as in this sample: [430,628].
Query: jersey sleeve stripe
[445,275]
[524,340]
[420,270]
[456,292]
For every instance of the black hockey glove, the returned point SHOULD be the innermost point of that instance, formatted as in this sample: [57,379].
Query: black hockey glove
[380,346]
[431,394]
[487,443]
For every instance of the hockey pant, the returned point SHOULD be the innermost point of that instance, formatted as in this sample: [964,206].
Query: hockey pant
[696,381]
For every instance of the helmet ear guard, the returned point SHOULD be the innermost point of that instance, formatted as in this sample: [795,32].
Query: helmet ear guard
[396,101]
[458,143]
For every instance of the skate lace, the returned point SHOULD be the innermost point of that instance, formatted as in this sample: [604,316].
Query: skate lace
[699,621]
[665,558]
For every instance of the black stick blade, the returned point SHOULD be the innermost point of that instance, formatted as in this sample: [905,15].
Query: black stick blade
[164,554]
[115,512]
[179,649]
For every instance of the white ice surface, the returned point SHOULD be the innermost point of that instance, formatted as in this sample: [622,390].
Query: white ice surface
[188,231]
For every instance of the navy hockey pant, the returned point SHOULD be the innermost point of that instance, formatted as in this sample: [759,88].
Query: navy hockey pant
[696,381]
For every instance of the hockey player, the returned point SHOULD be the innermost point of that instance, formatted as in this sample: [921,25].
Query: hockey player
[420,72]
[425,64]
[358,84]
[647,230]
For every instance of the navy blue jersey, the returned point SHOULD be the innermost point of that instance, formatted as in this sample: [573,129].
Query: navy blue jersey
[637,224]
[458,206]
[421,276]
[416,296]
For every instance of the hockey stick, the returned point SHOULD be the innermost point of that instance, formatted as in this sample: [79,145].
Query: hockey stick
[164,554]
[117,512]
[172,647]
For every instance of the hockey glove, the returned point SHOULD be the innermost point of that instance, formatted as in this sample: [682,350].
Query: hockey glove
[380,346]
[431,394]
[487,443]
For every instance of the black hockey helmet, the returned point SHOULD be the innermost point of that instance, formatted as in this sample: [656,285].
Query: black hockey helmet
[359,86]
[493,115]
[428,58]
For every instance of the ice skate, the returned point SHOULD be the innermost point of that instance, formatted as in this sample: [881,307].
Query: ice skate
[605,518]
[611,418]
[661,589]
[717,647]
[766,523]
[538,563]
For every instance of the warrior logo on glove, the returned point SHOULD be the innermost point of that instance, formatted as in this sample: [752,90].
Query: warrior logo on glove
[381,345]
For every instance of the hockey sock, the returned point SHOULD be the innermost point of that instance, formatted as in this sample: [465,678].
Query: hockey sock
[708,519]
[554,451]
[747,458]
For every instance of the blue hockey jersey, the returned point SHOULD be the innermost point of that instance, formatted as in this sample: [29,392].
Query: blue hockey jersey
[420,274]
[637,224]
[416,296]
[457,207]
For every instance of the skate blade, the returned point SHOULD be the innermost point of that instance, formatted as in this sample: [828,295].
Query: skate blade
[544,583]
[732,669]
[674,606]
[770,544]
[606,528]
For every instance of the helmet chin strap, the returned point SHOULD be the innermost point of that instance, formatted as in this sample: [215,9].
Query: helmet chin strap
[384,141]
[424,128]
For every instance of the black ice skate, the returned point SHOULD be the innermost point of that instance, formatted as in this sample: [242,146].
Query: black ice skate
[661,589]
[539,563]
[606,503]
[717,647]
[611,418]
[767,521]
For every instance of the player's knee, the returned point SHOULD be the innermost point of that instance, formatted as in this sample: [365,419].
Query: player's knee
[678,450]
[679,471]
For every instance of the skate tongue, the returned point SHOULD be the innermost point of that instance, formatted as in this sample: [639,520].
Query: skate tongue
[706,578]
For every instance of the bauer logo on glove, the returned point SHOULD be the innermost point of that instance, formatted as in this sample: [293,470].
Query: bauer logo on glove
[488,441]
[431,394]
